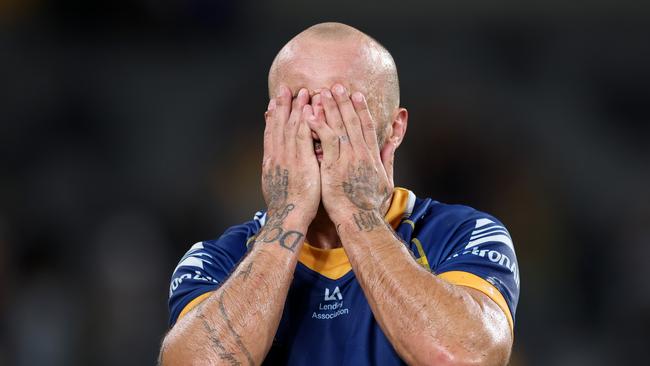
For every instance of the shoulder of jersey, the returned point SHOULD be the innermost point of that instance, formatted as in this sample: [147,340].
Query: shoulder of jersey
[452,221]
[448,215]
[235,239]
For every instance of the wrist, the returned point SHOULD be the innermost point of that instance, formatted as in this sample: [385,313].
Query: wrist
[283,229]
[357,220]
[289,215]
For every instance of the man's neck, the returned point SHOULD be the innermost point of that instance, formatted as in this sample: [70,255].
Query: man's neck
[322,233]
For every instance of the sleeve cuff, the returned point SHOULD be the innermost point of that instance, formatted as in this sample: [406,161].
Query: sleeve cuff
[471,280]
[192,304]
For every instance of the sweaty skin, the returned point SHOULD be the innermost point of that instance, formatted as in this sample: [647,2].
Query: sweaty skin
[236,324]
[327,175]
[427,320]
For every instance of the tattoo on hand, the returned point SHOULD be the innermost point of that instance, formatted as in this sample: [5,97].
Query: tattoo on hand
[361,187]
[276,186]
[366,220]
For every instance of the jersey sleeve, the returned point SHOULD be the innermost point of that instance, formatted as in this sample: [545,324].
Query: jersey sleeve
[480,254]
[205,266]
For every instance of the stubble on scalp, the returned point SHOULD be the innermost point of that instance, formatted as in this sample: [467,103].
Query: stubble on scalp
[375,63]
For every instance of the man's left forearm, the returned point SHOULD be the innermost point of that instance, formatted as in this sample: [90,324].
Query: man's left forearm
[426,319]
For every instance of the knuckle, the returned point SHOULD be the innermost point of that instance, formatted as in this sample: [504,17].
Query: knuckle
[282,100]
[302,136]
[296,103]
[266,164]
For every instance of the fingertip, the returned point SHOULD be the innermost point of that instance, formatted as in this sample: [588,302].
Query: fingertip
[303,93]
[338,89]
[357,97]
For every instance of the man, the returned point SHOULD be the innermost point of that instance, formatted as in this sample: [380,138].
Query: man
[342,268]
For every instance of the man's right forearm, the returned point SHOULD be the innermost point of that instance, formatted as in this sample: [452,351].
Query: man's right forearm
[236,324]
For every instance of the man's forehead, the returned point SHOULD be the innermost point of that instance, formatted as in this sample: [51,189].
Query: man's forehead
[322,69]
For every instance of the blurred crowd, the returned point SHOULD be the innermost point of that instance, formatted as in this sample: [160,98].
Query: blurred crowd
[130,130]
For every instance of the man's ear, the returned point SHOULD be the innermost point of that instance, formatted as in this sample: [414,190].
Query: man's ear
[396,129]
[395,132]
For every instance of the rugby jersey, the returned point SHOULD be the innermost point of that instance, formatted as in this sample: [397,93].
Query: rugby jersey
[326,318]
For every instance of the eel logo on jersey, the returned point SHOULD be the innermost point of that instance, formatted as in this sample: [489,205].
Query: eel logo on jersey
[486,231]
[335,295]
[193,257]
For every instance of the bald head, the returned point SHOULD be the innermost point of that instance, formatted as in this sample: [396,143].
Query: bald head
[328,53]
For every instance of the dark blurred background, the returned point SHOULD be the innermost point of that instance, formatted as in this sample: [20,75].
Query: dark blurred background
[130,130]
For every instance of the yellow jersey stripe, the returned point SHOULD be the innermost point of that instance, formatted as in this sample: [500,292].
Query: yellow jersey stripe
[423,256]
[192,304]
[332,263]
[471,280]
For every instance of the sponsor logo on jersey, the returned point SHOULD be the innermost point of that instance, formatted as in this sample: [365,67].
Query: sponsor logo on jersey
[493,256]
[328,309]
[196,258]
[487,231]
[198,276]
[336,294]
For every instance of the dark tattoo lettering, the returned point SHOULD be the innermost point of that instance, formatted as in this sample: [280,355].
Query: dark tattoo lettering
[273,230]
[367,220]
[212,336]
[271,234]
[276,185]
[242,346]
[297,236]
[245,272]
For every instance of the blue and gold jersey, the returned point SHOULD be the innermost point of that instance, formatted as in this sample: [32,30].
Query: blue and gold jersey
[327,319]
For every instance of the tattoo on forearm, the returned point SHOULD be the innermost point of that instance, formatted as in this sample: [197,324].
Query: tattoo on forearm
[366,220]
[276,185]
[242,346]
[214,340]
[245,272]
[273,230]
[213,333]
